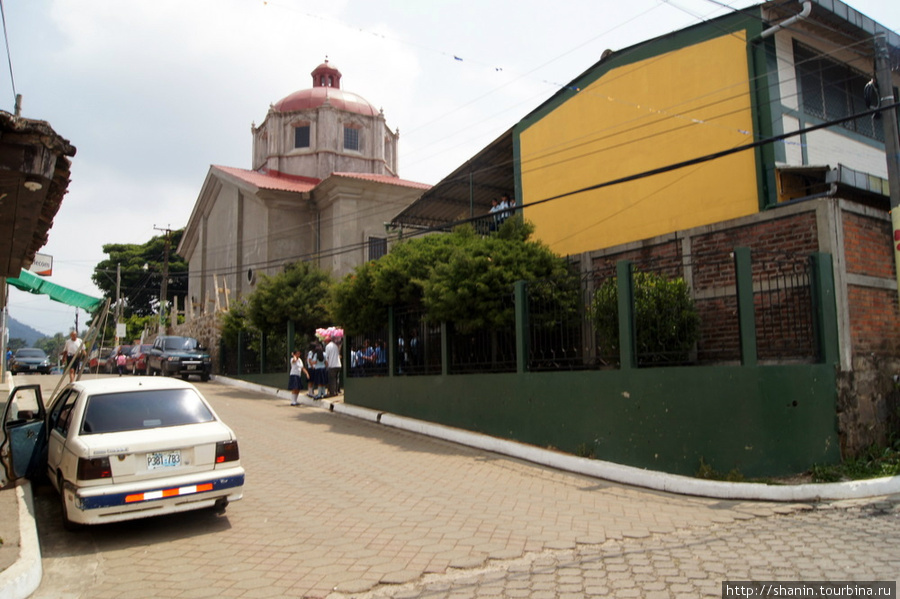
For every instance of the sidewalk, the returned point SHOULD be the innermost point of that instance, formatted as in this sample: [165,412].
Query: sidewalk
[20,576]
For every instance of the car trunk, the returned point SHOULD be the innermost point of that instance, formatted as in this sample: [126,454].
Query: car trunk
[158,452]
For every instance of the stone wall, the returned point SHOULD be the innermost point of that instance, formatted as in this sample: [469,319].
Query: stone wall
[207,329]
[868,405]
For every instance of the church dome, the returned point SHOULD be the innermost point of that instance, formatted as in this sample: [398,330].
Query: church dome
[326,90]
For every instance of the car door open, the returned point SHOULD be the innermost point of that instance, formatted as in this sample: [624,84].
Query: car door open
[25,433]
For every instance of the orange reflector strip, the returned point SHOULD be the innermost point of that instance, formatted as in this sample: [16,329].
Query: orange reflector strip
[168,493]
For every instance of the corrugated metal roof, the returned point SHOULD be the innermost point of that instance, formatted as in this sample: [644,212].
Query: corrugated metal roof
[467,191]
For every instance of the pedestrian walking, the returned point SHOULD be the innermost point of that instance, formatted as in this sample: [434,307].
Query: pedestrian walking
[296,376]
[333,359]
[318,375]
[121,359]
[72,353]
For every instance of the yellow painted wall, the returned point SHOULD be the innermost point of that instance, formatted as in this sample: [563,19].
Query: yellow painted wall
[666,109]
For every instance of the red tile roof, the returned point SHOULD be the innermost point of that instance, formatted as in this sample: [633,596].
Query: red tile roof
[277,181]
[272,180]
[388,179]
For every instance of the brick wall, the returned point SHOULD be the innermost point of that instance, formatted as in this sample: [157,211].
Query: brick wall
[868,399]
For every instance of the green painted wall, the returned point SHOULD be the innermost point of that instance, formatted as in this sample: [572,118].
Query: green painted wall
[763,421]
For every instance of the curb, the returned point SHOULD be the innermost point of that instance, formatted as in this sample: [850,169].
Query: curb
[629,475]
[22,578]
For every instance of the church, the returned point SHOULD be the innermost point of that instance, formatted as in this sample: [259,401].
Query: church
[323,183]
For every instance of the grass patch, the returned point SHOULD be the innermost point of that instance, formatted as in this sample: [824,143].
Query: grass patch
[876,462]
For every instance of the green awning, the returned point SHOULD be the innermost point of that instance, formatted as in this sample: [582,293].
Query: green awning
[32,283]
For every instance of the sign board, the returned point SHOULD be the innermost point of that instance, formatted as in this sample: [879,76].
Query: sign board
[42,265]
[120,330]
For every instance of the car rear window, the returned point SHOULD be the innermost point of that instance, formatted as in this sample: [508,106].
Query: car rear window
[138,410]
[180,343]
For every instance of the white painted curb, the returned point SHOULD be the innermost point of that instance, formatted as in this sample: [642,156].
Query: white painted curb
[24,577]
[629,475]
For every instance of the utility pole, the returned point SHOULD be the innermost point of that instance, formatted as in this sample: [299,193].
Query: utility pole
[163,290]
[118,299]
[891,140]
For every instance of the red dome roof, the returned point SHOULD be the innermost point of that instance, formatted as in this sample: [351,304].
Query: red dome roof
[315,97]
[326,88]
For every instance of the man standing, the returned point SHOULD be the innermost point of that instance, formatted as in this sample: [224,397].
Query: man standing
[72,352]
[333,359]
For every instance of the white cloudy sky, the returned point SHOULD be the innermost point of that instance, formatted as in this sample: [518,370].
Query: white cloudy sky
[152,92]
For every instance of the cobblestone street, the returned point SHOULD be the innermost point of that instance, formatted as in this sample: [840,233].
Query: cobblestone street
[851,540]
[336,507]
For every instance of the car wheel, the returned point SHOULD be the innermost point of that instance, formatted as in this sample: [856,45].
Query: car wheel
[204,377]
[220,505]
[185,377]
[148,370]
[66,522]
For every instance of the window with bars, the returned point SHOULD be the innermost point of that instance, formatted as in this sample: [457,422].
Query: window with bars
[377,247]
[301,136]
[832,90]
[351,138]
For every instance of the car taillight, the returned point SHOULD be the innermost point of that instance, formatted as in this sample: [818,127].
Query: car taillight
[227,451]
[94,468]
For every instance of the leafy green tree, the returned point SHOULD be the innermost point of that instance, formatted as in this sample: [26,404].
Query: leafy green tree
[16,343]
[297,294]
[52,346]
[235,321]
[460,277]
[667,324]
[142,266]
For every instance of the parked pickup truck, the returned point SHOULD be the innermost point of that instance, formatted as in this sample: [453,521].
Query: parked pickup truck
[171,355]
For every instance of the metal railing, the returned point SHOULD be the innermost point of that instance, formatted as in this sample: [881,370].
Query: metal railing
[685,313]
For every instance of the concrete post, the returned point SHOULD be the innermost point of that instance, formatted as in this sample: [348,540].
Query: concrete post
[891,140]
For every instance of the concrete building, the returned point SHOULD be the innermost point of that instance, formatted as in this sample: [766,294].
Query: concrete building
[322,184]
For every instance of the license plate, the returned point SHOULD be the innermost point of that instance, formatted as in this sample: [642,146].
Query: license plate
[33,367]
[192,367]
[163,459]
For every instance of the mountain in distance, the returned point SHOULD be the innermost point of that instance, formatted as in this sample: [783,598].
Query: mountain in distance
[18,330]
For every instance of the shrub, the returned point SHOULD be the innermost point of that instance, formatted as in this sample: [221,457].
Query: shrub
[667,325]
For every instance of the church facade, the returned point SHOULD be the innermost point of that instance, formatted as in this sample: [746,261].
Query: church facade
[322,184]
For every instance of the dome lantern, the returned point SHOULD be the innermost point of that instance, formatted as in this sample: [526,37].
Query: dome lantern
[326,75]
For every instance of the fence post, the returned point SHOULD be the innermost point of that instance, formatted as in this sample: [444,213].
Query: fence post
[445,349]
[743,278]
[392,342]
[824,308]
[522,336]
[263,338]
[625,300]
[240,353]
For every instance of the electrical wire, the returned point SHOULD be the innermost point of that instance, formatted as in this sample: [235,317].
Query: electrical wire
[9,55]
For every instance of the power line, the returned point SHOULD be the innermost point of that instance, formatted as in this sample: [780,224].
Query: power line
[9,60]
[618,181]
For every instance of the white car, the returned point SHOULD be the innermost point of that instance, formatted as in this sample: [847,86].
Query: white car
[123,448]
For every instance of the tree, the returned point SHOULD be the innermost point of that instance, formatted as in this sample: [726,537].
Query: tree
[460,277]
[298,294]
[141,274]
[16,343]
[52,346]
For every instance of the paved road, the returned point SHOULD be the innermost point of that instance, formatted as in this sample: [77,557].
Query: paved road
[337,507]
